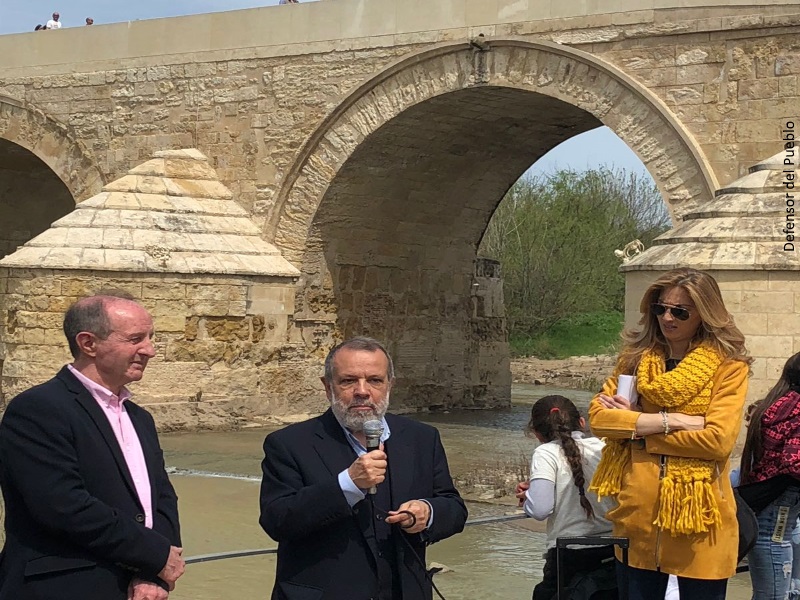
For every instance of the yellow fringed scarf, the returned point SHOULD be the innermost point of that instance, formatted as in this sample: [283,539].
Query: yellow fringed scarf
[686,500]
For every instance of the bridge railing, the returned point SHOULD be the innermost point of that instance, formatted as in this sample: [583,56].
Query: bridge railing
[201,558]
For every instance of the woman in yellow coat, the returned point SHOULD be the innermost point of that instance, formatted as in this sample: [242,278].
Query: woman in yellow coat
[666,460]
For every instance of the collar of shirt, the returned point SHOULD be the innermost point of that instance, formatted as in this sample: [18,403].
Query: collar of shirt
[356,445]
[100,393]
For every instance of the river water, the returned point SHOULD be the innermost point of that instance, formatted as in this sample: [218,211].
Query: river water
[217,478]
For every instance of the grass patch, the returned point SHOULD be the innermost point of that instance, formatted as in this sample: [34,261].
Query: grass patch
[578,335]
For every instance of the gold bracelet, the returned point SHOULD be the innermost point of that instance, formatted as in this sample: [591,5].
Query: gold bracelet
[665,421]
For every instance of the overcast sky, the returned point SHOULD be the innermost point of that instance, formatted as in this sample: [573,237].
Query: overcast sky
[591,149]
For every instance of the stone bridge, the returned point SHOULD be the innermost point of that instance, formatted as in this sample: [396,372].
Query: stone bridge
[371,140]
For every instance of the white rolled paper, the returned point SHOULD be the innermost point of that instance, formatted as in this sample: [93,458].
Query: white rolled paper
[626,387]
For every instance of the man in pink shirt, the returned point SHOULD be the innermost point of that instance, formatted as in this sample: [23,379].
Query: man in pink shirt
[90,511]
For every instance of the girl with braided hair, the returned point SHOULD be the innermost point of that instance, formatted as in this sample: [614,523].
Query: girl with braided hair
[561,469]
[666,460]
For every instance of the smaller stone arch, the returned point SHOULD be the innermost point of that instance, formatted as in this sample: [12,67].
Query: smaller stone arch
[53,143]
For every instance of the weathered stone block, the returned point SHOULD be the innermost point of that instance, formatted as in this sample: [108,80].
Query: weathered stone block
[38,286]
[228,329]
[169,308]
[205,351]
[208,308]
[45,320]
[766,302]
[703,73]
[163,291]
[192,328]
[78,287]
[757,89]
[770,345]
[787,281]
[165,324]
[207,292]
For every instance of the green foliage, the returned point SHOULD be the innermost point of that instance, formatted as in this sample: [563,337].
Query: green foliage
[578,335]
[555,237]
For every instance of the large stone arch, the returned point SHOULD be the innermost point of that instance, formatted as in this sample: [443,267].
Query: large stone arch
[44,171]
[386,206]
[632,111]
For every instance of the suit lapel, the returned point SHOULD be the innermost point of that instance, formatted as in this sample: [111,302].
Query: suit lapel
[85,399]
[336,453]
[331,445]
[400,453]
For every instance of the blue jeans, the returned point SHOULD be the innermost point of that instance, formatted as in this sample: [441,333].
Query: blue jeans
[794,588]
[644,584]
[771,559]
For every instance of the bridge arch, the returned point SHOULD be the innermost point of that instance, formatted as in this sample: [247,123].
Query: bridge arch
[44,171]
[631,110]
[389,199]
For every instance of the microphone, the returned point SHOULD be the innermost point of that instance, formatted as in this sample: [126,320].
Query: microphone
[373,430]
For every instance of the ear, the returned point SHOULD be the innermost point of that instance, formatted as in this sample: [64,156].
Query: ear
[87,342]
[328,390]
[582,422]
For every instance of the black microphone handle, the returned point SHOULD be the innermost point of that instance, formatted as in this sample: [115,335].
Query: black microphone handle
[373,444]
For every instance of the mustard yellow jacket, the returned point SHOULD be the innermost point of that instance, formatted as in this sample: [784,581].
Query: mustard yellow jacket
[709,555]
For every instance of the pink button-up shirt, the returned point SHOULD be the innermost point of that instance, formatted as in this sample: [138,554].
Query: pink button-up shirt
[114,409]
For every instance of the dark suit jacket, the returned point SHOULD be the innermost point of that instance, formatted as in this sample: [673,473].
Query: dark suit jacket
[74,525]
[323,553]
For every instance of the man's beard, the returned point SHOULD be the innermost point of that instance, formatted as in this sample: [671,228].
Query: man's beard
[354,420]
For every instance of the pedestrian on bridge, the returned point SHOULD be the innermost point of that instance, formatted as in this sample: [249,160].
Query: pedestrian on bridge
[54,23]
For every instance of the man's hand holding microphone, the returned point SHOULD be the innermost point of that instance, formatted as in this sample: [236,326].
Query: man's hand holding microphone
[369,470]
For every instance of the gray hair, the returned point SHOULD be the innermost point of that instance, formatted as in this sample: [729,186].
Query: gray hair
[90,314]
[357,343]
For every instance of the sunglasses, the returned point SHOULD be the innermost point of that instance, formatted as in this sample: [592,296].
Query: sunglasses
[679,313]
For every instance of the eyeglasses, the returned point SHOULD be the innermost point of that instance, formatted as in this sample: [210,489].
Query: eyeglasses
[679,313]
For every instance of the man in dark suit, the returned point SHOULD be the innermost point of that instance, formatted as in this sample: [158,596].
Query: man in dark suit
[336,541]
[90,512]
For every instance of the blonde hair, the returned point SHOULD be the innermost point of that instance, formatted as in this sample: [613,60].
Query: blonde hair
[717,328]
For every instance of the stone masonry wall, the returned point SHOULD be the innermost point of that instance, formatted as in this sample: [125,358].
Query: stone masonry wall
[729,74]
[219,342]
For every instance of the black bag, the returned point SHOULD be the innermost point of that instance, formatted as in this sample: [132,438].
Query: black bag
[748,526]
[600,584]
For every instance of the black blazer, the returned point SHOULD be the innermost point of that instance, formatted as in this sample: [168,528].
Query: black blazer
[74,525]
[323,553]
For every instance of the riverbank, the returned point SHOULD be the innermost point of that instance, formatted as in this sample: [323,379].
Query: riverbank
[576,372]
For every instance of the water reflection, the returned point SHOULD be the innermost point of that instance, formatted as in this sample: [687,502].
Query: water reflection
[489,562]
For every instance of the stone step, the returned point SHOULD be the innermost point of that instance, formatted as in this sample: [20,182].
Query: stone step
[740,205]
[733,229]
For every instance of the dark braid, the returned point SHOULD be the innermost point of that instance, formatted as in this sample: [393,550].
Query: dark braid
[555,418]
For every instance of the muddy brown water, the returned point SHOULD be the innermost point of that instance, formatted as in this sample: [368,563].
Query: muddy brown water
[217,479]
